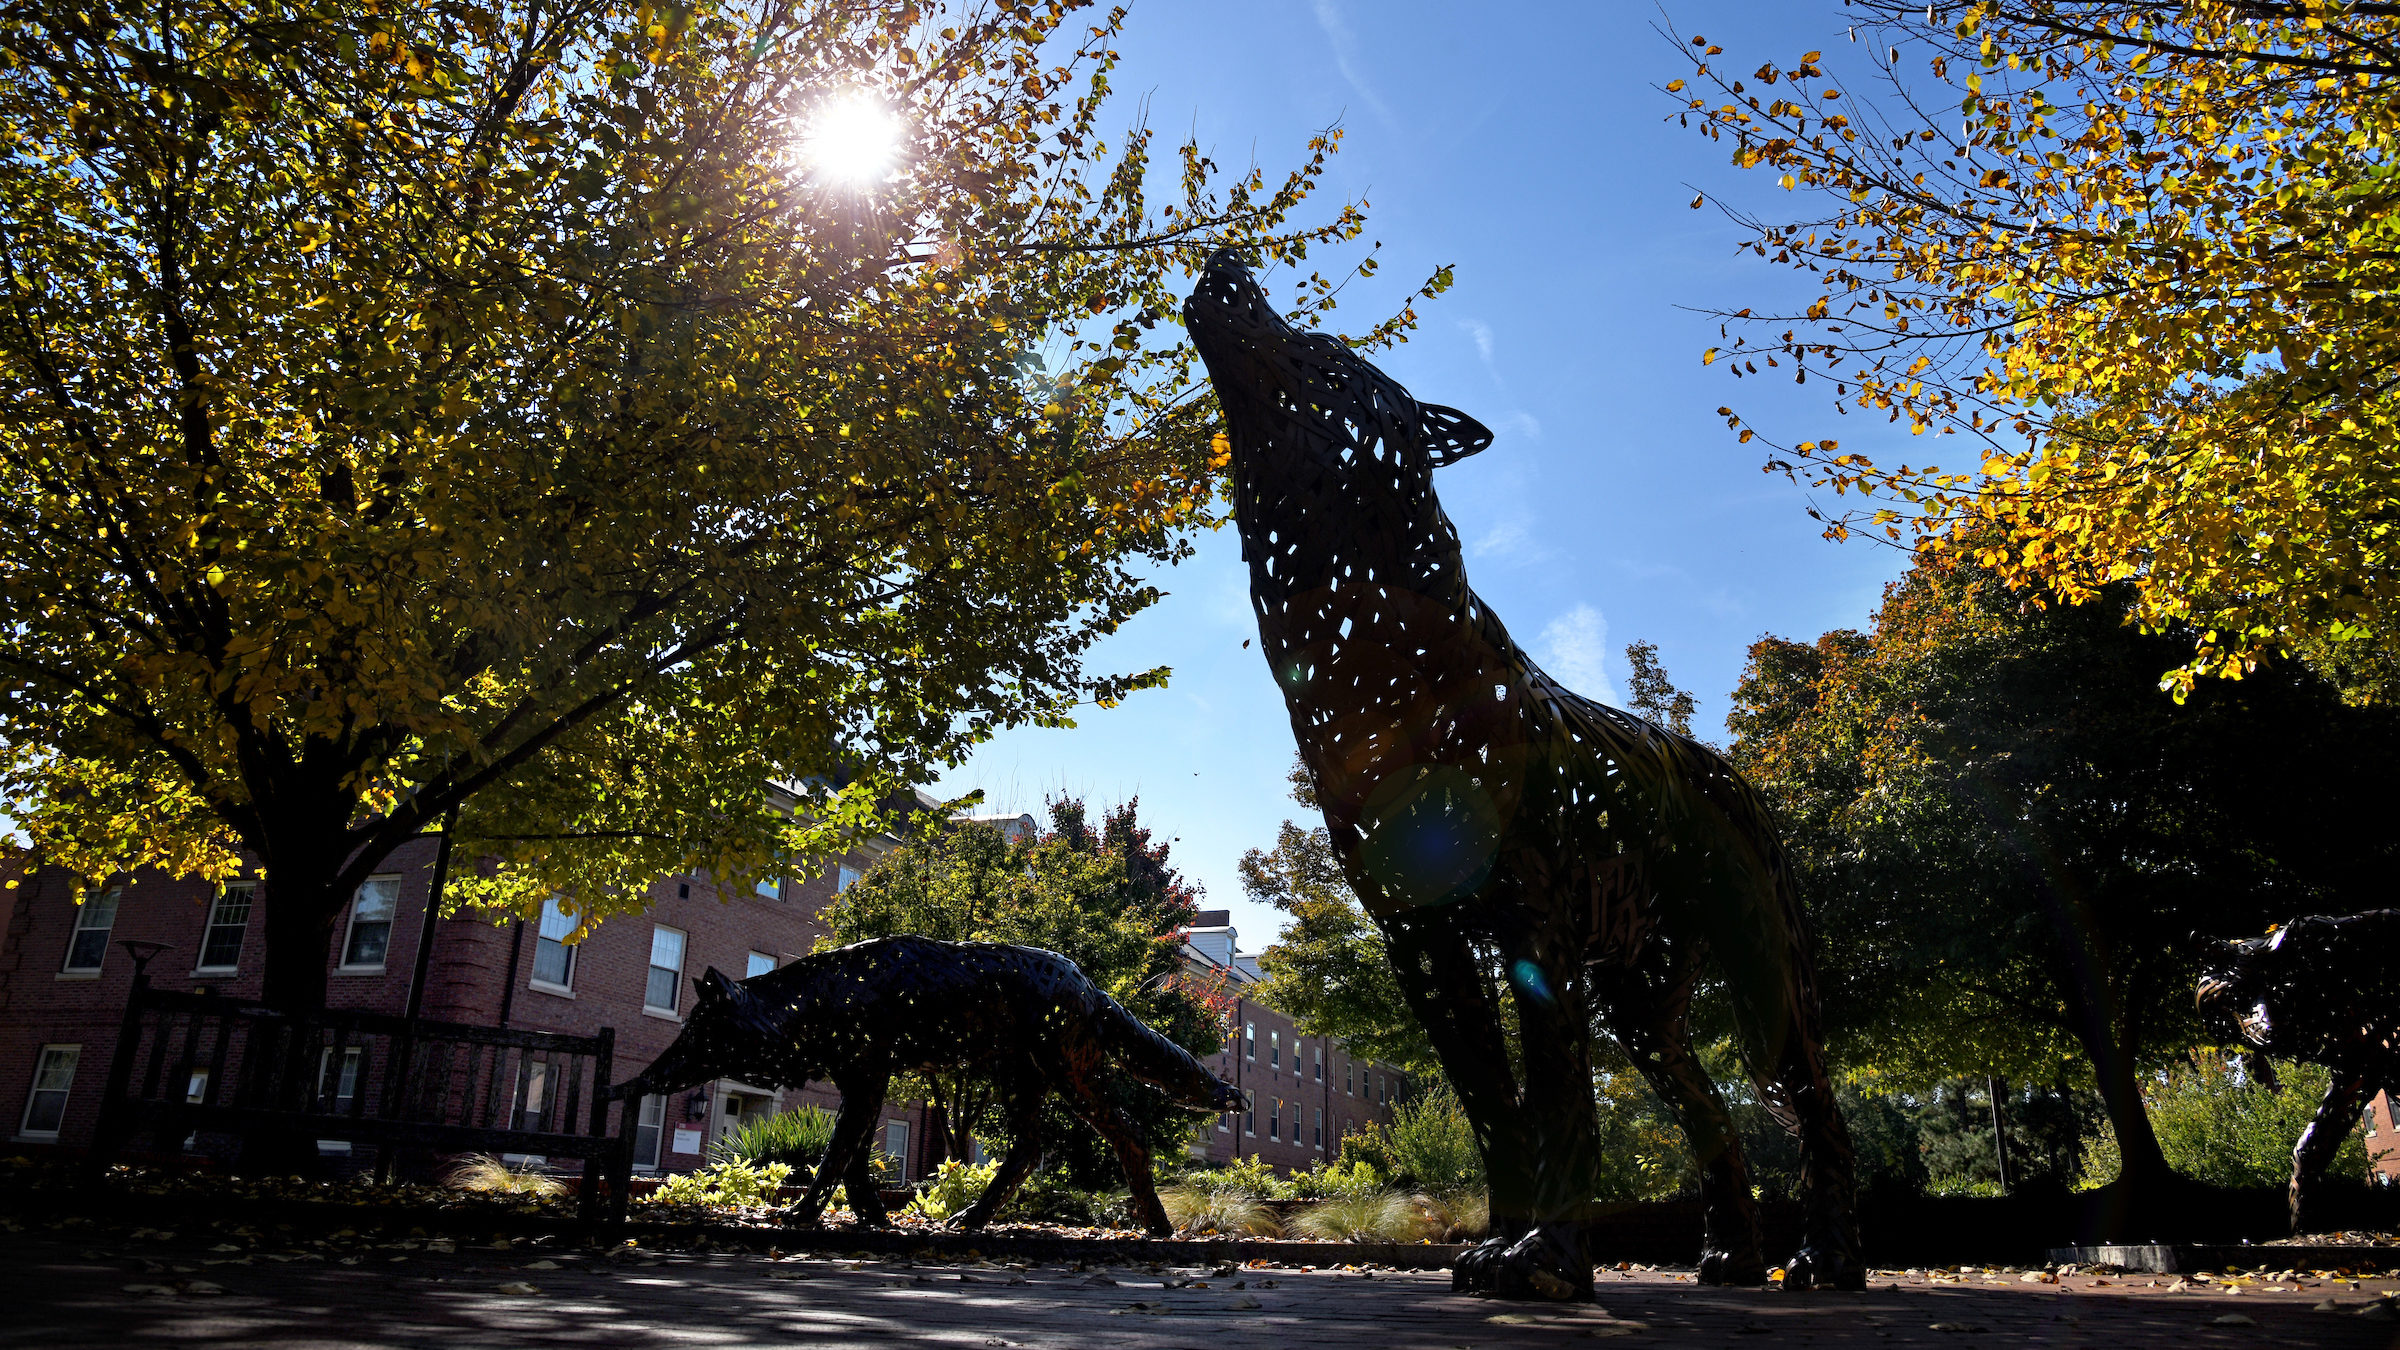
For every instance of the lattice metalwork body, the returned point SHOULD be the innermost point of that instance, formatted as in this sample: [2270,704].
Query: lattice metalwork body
[1029,1019]
[2324,990]
[1492,820]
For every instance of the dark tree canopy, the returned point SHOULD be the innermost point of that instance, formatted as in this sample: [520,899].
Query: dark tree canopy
[2008,830]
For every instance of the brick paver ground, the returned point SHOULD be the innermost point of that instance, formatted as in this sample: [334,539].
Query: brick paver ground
[166,1290]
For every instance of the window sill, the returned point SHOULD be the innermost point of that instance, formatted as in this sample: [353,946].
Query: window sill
[217,973]
[369,971]
[662,1016]
[36,1137]
[76,975]
[553,990]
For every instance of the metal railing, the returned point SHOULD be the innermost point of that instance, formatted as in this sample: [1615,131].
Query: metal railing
[205,1062]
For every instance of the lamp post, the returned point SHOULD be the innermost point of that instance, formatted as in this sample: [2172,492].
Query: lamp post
[143,951]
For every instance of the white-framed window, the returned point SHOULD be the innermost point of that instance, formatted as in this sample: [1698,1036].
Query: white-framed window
[1275,1120]
[1250,1041]
[1349,1078]
[371,914]
[895,1143]
[761,963]
[1318,1052]
[342,1084]
[536,1076]
[1225,1122]
[228,919]
[195,1092]
[87,946]
[1250,1119]
[553,955]
[844,877]
[1383,1090]
[1320,1138]
[1275,1051]
[649,1127]
[53,1079]
[666,970]
[770,888]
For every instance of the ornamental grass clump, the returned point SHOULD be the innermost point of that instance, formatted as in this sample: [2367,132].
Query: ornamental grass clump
[1200,1211]
[1452,1216]
[1366,1216]
[485,1173]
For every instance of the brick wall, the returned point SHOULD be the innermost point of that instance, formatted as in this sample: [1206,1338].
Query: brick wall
[1308,1091]
[43,1005]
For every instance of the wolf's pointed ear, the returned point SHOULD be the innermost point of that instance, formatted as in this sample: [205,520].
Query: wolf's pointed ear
[711,985]
[1450,435]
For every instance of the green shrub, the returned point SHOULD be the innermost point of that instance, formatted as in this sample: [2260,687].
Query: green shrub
[1355,1177]
[1432,1145]
[2218,1125]
[1251,1176]
[1198,1211]
[725,1185]
[956,1185]
[796,1138]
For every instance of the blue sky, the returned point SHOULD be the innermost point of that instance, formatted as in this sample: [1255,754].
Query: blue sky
[1527,144]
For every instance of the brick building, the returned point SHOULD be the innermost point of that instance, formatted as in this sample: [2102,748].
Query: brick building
[1307,1092]
[64,981]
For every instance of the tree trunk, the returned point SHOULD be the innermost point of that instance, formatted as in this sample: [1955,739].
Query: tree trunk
[1998,1091]
[2115,1050]
[301,913]
[298,924]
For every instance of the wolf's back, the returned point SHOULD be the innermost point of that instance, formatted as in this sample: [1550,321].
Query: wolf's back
[1156,1060]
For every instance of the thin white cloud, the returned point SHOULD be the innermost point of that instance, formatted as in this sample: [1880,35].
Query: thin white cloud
[1502,540]
[1482,333]
[1575,652]
[1345,55]
[1523,423]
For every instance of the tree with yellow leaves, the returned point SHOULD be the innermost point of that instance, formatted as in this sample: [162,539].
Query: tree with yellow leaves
[570,420]
[2137,256]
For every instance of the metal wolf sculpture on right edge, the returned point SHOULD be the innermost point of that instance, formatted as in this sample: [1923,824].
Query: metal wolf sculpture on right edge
[1487,816]
[2324,989]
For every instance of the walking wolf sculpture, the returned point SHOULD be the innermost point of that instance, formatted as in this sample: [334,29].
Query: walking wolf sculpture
[2325,990]
[859,1014]
[1490,819]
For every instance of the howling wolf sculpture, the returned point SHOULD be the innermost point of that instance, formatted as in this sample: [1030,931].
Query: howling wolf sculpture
[1490,819]
[856,1015]
[2324,990]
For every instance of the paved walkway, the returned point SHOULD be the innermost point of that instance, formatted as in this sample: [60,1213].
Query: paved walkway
[244,1289]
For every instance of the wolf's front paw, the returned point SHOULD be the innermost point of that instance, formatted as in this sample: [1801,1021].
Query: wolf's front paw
[1546,1262]
[1718,1267]
[1816,1268]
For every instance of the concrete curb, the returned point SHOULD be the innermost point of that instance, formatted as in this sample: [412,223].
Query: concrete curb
[2176,1258]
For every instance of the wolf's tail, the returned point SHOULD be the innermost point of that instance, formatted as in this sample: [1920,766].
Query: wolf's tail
[1162,1063]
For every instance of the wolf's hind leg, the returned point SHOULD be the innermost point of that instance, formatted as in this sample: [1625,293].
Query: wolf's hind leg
[1113,1125]
[1649,1014]
[1801,1096]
